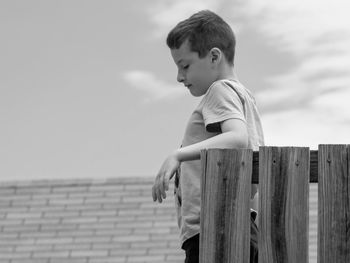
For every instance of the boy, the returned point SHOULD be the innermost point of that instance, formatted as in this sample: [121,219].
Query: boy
[203,48]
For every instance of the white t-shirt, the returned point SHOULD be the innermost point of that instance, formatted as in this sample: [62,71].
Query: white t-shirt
[225,99]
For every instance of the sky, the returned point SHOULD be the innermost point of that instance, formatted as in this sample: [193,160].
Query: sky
[88,88]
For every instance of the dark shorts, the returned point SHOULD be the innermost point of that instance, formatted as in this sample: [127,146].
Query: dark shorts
[191,246]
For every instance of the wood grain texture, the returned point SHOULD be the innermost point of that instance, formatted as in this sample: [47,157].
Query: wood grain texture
[313,167]
[225,212]
[283,200]
[334,204]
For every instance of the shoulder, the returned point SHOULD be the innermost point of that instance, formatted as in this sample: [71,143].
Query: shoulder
[217,86]
[217,89]
[223,90]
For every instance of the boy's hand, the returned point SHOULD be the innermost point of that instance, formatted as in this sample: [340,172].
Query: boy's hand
[166,172]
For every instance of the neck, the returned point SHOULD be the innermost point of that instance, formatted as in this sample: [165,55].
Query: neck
[227,72]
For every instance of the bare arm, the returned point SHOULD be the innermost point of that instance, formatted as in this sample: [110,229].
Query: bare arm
[234,135]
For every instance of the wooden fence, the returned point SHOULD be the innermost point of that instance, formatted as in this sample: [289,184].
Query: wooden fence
[283,174]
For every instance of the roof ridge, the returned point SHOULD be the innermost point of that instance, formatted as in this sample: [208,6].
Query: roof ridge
[75,182]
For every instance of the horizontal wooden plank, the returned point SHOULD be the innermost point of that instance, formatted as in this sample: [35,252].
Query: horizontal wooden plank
[313,167]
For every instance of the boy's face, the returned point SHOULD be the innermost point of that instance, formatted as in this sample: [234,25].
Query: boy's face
[197,74]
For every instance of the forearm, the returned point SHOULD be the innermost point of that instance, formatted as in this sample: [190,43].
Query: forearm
[234,135]
[229,139]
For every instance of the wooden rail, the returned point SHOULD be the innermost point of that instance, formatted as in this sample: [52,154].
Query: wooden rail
[283,174]
[313,167]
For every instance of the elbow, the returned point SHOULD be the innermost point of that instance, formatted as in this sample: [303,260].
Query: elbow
[243,142]
[239,140]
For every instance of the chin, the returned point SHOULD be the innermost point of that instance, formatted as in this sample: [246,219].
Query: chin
[197,94]
[194,94]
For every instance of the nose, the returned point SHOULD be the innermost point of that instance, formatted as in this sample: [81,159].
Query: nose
[180,77]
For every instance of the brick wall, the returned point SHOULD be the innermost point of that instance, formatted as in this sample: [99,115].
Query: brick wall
[90,221]
[86,221]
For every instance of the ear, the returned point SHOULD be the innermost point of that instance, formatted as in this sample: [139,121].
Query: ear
[215,55]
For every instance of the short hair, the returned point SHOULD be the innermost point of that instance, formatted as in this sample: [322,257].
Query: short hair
[204,30]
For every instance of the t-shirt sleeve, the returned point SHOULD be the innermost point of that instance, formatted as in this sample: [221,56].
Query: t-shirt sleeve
[221,103]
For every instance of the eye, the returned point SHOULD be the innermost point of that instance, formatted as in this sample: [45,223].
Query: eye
[186,67]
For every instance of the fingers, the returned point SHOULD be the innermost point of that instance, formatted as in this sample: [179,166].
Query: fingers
[154,196]
[157,193]
[161,185]
[166,172]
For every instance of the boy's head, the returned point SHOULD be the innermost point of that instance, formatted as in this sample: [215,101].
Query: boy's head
[204,30]
[202,47]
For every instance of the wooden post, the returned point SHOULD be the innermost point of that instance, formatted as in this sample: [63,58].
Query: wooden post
[283,204]
[225,207]
[334,204]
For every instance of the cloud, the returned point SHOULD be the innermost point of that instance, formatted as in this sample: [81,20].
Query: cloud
[318,124]
[306,82]
[325,120]
[297,23]
[153,87]
[316,33]
[306,105]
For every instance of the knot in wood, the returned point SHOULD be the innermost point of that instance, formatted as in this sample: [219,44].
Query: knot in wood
[219,163]
[329,160]
[297,163]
